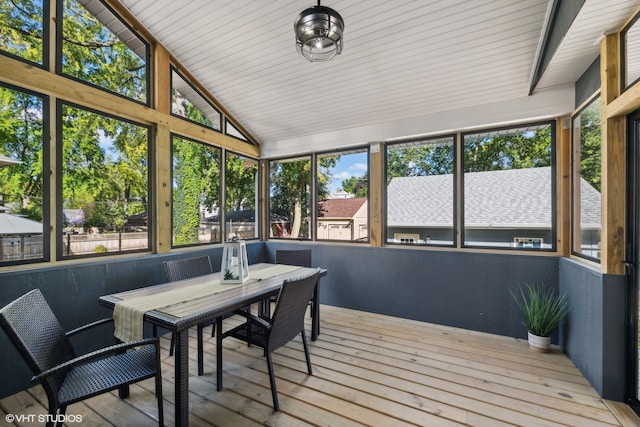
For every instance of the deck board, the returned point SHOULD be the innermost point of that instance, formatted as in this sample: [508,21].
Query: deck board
[368,370]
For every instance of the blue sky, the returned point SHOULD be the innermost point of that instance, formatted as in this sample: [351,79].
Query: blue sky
[348,165]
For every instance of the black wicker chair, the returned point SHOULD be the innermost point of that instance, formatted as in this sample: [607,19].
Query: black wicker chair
[181,269]
[66,378]
[298,257]
[272,333]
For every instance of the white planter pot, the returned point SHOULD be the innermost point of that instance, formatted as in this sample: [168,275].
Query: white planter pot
[539,344]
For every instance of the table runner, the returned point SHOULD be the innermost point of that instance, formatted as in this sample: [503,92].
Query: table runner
[128,313]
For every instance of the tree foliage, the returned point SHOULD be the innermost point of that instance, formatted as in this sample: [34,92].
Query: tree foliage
[240,177]
[196,175]
[22,28]
[21,139]
[518,150]
[92,53]
[104,160]
[591,144]
[424,159]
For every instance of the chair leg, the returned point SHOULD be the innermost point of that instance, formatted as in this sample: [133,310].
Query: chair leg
[306,352]
[158,379]
[173,344]
[58,415]
[272,380]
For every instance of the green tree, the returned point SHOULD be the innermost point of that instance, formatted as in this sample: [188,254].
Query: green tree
[241,183]
[92,53]
[591,145]
[21,29]
[290,194]
[357,186]
[196,175]
[520,150]
[21,136]
[425,159]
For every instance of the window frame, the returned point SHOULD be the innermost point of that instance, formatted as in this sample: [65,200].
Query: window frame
[223,187]
[46,13]
[454,228]
[366,149]
[267,197]
[574,173]
[46,178]
[552,195]
[59,49]
[59,181]
[220,194]
[173,69]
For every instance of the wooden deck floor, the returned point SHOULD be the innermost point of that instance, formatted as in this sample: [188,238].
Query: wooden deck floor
[368,370]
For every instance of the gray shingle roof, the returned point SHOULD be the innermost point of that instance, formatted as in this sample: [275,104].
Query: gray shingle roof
[515,198]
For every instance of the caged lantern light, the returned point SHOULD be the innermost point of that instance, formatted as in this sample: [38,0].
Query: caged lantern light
[235,266]
[319,33]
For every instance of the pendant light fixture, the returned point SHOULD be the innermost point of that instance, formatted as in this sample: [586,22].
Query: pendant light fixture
[319,33]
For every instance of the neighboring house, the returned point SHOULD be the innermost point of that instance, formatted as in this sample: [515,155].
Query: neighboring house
[502,208]
[73,217]
[343,219]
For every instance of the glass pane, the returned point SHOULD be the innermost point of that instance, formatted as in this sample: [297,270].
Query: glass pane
[508,188]
[21,29]
[98,48]
[420,184]
[290,198]
[21,176]
[631,40]
[196,193]
[241,211]
[233,131]
[187,102]
[586,214]
[105,184]
[343,196]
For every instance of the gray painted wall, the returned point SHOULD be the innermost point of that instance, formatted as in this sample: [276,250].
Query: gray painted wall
[456,288]
[594,335]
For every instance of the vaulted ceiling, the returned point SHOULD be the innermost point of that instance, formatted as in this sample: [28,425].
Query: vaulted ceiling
[407,67]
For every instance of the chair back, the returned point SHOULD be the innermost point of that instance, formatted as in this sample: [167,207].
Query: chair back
[37,334]
[181,269]
[299,257]
[288,316]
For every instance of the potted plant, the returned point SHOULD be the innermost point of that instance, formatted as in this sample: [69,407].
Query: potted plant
[542,311]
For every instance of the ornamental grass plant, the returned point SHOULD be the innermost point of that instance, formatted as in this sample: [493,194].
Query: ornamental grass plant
[542,309]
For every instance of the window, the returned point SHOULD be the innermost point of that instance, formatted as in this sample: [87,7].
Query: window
[100,49]
[420,191]
[509,187]
[196,193]
[233,131]
[104,180]
[23,204]
[290,198]
[23,29]
[241,197]
[342,189]
[188,103]
[586,203]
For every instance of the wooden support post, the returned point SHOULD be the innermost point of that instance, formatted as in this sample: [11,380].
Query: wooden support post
[613,161]
[376,184]
[563,184]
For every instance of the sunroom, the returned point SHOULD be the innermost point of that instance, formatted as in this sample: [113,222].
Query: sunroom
[450,154]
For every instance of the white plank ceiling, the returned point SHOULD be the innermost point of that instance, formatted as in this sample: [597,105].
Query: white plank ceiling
[402,59]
